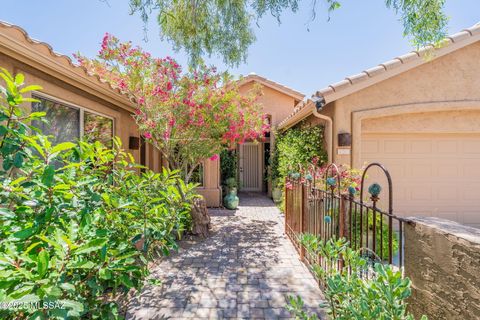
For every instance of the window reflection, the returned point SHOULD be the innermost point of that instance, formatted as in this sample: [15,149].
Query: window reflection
[60,122]
[97,128]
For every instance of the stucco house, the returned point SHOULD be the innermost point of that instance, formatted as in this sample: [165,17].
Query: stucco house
[419,115]
[277,101]
[77,104]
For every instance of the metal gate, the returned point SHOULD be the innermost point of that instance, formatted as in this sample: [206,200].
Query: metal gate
[315,204]
[251,167]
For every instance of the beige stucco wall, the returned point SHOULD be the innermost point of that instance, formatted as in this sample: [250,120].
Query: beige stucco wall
[274,103]
[440,89]
[211,189]
[442,259]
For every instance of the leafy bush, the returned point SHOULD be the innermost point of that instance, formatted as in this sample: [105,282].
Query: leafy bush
[296,147]
[228,165]
[381,234]
[77,221]
[349,294]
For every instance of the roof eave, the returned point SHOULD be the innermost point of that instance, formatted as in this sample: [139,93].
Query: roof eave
[301,113]
[395,67]
[385,71]
[273,85]
[59,66]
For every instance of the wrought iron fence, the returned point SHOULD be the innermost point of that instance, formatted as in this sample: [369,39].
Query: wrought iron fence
[322,209]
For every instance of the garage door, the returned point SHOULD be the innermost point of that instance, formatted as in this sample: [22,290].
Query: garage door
[433,174]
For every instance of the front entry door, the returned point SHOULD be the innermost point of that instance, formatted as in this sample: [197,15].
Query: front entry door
[251,166]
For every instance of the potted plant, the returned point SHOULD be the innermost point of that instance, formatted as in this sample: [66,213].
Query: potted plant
[231,185]
[231,199]
[277,192]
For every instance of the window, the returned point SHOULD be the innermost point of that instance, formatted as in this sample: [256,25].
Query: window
[60,122]
[67,123]
[97,128]
[197,175]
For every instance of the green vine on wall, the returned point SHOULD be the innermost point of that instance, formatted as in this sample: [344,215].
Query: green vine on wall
[296,146]
[228,165]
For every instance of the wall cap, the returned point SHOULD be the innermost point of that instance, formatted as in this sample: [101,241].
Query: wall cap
[448,227]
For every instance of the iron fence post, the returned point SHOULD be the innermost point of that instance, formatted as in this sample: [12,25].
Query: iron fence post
[341,217]
[344,219]
[302,219]
[285,192]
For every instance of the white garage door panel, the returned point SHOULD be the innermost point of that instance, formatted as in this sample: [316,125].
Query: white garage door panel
[433,174]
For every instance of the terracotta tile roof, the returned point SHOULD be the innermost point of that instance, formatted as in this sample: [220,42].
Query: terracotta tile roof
[272,84]
[16,42]
[383,71]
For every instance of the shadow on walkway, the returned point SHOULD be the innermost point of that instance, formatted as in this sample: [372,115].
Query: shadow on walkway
[245,269]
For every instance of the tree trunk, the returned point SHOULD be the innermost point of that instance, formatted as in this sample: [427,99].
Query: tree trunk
[200,217]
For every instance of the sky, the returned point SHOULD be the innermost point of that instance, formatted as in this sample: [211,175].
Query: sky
[302,54]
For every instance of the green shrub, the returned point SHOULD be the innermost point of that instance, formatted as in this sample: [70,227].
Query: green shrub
[228,165]
[77,221]
[296,147]
[381,231]
[349,296]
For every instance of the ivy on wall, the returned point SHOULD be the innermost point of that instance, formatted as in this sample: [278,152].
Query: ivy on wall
[228,164]
[296,146]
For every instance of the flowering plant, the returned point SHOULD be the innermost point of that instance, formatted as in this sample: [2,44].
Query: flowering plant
[350,178]
[189,116]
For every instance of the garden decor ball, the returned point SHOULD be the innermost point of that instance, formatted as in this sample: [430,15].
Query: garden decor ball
[352,190]
[331,181]
[374,189]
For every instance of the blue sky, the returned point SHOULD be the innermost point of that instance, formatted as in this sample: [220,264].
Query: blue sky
[303,55]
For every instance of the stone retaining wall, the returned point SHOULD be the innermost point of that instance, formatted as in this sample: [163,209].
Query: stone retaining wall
[442,259]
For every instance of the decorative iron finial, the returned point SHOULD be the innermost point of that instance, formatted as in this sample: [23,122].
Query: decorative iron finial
[352,191]
[331,181]
[374,189]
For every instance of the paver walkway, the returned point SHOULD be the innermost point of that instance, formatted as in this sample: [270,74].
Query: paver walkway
[244,270]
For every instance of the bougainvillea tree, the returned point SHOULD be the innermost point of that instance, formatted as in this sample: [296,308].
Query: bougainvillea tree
[189,115]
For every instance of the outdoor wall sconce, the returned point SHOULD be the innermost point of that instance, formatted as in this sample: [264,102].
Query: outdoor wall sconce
[133,143]
[344,139]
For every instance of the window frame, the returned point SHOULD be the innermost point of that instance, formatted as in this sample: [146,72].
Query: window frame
[41,95]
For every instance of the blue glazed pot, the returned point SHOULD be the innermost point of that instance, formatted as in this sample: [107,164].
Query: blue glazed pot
[231,200]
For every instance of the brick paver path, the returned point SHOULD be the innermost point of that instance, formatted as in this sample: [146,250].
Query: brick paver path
[244,270]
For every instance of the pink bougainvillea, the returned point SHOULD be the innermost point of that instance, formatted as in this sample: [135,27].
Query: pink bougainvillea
[189,116]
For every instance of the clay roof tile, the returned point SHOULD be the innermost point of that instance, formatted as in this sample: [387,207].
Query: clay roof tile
[369,77]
